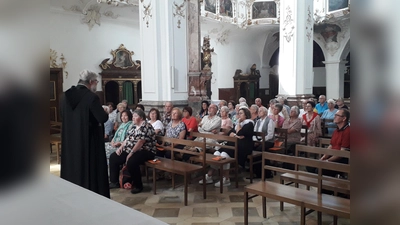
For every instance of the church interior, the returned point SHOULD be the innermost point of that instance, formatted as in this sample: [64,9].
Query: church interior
[186,51]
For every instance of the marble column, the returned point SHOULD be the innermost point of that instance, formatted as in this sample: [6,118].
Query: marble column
[296,49]
[335,71]
[199,80]
[163,37]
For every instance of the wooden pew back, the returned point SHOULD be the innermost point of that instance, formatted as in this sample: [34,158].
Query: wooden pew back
[316,163]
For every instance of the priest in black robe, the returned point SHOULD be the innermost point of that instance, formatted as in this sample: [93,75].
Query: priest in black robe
[83,156]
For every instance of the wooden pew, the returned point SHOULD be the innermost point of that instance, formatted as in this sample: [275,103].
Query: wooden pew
[324,142]
[178,167]
[221,163]
[281,136]
[256,154]
[325,124]
[305,134]
[305,199]
[298,178]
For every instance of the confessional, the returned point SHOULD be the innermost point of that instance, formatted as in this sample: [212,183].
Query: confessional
[247,85]
[121,77]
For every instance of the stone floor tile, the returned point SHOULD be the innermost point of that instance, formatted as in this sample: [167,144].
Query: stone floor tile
[132,201]
[205,212]
[238,198]
[170,199]
[236,211]
[169,212]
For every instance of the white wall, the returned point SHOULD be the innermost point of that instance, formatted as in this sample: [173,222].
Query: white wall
[84,49]
[241,52]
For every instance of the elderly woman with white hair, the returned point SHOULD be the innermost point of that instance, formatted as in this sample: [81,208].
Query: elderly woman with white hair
[236,116]
[254,112]
[138,147]
[226,122]
[241,99]
[340,104]
[120,108]
[293,125]
[330,114]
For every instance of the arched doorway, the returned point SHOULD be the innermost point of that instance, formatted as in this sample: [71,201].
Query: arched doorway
[139,91]
[243,90]
[318,58]
[111,92]
[127,92]
[319,82]
[273,75]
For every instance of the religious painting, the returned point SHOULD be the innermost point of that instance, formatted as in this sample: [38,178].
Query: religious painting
[122,59]
[264,10]
[210,6]
[338,4]
[328,31]
[225,8]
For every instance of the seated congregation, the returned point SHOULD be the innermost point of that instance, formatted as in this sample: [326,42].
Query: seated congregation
[181,142]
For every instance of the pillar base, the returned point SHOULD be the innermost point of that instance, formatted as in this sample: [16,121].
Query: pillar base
[199,89]
[296,99]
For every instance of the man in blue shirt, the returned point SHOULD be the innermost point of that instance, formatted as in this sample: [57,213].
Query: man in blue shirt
[322,105]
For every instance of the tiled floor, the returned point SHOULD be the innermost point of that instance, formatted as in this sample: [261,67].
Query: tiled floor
[222,209]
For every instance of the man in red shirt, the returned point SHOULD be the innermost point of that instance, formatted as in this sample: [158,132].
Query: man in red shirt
[340,140]
[340,137]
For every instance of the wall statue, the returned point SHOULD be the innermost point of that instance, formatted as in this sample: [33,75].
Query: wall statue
[207,53]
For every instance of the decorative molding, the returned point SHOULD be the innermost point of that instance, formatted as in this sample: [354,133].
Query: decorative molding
[320,16]
[73,8]
[247,16]
[110,14]
[222,36]
[288,26]
[90,13]
[53,62]
[309,25]
[120,2]
[278,10]
[92,16]
[331,35]
[146,12]
[179,12]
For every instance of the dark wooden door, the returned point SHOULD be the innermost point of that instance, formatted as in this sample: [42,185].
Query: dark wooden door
[273,86]
[56,89]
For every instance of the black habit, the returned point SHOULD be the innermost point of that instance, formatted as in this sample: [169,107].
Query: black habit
[83,156]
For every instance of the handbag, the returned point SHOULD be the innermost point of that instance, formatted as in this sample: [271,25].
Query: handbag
[125,179]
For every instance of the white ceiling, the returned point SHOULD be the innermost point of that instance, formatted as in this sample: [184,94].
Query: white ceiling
[131,12]
[123,11]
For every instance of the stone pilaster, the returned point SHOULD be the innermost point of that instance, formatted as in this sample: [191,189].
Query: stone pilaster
[296,48]
[335,78]
[199,80]
[194,35]
[163,37]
